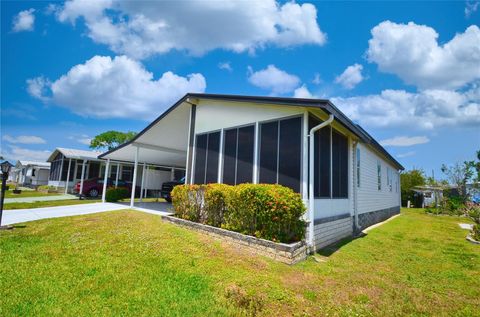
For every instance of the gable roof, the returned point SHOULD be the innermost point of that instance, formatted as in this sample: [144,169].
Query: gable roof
[324,104]
[33,163]
[74,154]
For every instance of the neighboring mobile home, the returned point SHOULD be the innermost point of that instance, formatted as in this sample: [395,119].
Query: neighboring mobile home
[29,173]
[346,179]
[80,165]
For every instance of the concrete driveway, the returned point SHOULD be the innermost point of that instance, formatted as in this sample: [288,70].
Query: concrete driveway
[23,215]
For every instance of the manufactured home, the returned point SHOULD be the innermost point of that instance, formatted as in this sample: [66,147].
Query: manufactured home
[79,165]
[347,180]
[30,174]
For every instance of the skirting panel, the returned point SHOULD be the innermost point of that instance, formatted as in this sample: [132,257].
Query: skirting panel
[370,218]
[327,233]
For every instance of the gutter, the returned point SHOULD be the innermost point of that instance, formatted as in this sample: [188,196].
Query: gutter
[311,177]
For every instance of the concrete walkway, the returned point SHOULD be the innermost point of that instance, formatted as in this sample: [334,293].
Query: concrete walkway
[23,215]
[39,198]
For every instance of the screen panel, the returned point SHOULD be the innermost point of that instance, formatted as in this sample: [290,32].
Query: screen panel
[268,152]
[245,152]
[323,166]
[229,156]
[339,165]
[290,147]
[213,147]
[200,158]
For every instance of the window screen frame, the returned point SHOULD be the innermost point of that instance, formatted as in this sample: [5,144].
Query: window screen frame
[195,159]
[223,156]
[302,149]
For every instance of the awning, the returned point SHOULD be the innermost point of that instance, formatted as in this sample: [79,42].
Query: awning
[163,142]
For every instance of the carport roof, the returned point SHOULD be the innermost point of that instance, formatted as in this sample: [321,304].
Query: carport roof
[324,104]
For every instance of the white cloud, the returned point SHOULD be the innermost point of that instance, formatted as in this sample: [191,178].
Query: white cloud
[406,154]
[276,80]
[24,139]
[38,88]
[424,110]
[143,28]
[413,53]
[471,6]
[225,66]
[317,79]
[405,141]
[118,88]
[19,153]
[85,140]
[24,21]
[351,76]
[302,92]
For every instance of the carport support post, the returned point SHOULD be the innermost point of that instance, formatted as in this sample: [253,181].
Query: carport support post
[116,176]
[68,175]
[134,182]
[143,181]
[105,180]
[81,178]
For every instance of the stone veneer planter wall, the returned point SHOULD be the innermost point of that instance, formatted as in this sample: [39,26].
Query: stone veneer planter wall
[282,252]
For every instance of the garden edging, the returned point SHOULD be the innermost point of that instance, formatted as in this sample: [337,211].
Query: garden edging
[282,252]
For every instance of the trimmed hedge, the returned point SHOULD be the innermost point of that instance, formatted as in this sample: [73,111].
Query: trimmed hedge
[266,211]
[115,194]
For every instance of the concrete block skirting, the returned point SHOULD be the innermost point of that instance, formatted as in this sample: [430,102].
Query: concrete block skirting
[370,218]
[282,252]
[329,230]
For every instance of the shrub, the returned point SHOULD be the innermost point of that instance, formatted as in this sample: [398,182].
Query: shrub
[272,212]
[473,212]
[115,194]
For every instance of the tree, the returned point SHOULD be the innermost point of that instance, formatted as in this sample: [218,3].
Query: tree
[408,180]
[111,139]
[460,174]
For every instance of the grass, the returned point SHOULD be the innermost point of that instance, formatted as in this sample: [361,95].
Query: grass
[28,193]
[131,263]
[51,203]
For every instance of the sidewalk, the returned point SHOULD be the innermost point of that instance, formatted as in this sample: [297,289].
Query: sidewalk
[40,198]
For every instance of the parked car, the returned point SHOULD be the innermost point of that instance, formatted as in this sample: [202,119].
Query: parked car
[93,187]
[167,188]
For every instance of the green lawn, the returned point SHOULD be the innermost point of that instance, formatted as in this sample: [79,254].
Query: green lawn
[51,203]
[28,193]
[131,263]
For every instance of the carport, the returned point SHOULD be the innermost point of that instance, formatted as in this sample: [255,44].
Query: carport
[165,142]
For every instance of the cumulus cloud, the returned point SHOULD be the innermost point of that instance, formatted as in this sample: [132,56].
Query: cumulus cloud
[24,21]
[351,76]
[143,28]
[117,88]
[405,141]
[302,92]
[24,139]
[38,88]
[425,110]
[19,153]
[412,52]
[225,66]
[276,80]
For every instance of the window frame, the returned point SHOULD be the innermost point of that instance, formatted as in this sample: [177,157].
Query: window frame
[379,175]
[224,131]
[194,165]
[358,165]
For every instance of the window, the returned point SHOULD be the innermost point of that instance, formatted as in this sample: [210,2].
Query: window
[33,172]
[339,165]
[389,178]
[206,158]
[330,162]
[55,167]
[379,176]
[238,154]
[127,173]
[358,167]
[280,152]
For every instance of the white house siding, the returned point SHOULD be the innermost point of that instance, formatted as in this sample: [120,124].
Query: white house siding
[216,115]
[376,205]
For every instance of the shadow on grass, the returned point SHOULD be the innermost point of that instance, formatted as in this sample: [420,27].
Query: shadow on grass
[331,249]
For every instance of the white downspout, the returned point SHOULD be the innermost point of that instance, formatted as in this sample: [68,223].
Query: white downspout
[105,180]
[355,184]
[311,176]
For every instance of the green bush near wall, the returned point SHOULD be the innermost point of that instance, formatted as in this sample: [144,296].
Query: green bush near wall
[115,194]
[266,211]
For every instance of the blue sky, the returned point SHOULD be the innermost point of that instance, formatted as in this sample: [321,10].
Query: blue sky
[409,73]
